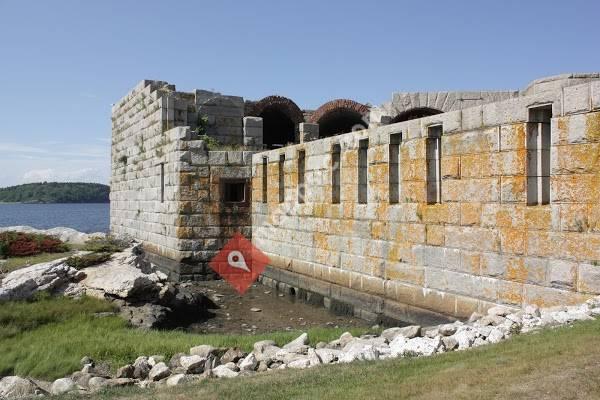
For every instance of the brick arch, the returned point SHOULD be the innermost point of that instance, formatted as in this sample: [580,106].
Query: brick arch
[337,105]
[340,116]
[280,103]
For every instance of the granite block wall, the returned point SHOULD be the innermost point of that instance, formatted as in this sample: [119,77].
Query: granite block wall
[166,185]
[481,245]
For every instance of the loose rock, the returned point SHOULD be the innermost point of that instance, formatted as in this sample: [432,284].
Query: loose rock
[63,385]
[159,371]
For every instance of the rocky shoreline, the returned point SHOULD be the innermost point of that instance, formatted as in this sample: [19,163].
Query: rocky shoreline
[67,235]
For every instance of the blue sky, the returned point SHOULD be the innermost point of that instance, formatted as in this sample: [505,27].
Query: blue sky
[62,63]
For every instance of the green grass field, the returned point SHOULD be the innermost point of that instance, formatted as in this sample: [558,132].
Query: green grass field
[47,338]
[553,364]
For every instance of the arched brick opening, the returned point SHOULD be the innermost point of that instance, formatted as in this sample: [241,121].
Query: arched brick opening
[414,113]
[280,116]
[340,116]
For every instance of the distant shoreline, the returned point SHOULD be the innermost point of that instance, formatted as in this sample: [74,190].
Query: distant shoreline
[56,193]
[42,202]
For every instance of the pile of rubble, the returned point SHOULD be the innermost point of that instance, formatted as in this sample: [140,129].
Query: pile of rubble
[144,296]
[204,361]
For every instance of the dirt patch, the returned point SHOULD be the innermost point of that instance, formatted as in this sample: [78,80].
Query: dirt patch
[260,310]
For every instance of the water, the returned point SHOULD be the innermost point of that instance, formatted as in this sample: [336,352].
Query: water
[82,217]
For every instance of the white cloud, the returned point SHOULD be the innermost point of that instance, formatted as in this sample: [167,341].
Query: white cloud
[56,149]
[19,148]
[64,175]
[54,161]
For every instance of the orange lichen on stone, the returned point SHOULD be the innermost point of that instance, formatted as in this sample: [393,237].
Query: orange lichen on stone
[510,292]
[515,270]
[562,125]
[470,213]
[592,125]
[539,217]
[379,230]
[512,241]
[435,235]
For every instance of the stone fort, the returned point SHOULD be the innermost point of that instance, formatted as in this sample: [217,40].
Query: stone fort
[434,204]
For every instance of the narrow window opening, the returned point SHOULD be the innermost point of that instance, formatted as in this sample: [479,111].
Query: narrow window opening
[301,177]
[363,146]
[335,173]
[233,191]
[264,179]
[538,155]
[434,171]
[394,167]
[281,178]
[162,183]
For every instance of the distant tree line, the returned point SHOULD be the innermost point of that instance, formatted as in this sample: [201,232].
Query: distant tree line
[55,192]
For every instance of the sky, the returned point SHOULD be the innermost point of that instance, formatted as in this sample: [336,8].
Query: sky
[63,63]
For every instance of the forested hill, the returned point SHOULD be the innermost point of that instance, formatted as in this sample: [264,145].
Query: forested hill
[55,192]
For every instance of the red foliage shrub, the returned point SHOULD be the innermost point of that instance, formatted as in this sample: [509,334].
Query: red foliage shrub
[18,244]
[19,248]
[51,245]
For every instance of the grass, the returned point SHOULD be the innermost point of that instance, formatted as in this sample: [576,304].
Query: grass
[87,260]
[553,364]
[47,338]
[107,244]
[102,247]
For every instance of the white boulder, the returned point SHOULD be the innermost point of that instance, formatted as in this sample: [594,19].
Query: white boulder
[63,385]
[223,371]
[159,371]
[17,387]
[23,283]
[249,363]
[119,277]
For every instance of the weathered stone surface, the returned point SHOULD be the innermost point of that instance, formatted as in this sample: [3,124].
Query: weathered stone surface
[450,343]
[301,363]
[119,382]
[159,371]
[297,343]
[499,311]
[233,354]
[222,371]
[418,346]
[204,350]
[25,282]
[249,363]
[63,385]
[96,383]
[193,364]
[358,351]
[174,361]
[141,368]
[465,338]
[126,371]
[121,280]
[12,387]
[407,332]
[146,316]
[181,379]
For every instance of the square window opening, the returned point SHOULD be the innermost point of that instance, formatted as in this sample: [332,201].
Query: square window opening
[233,191]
